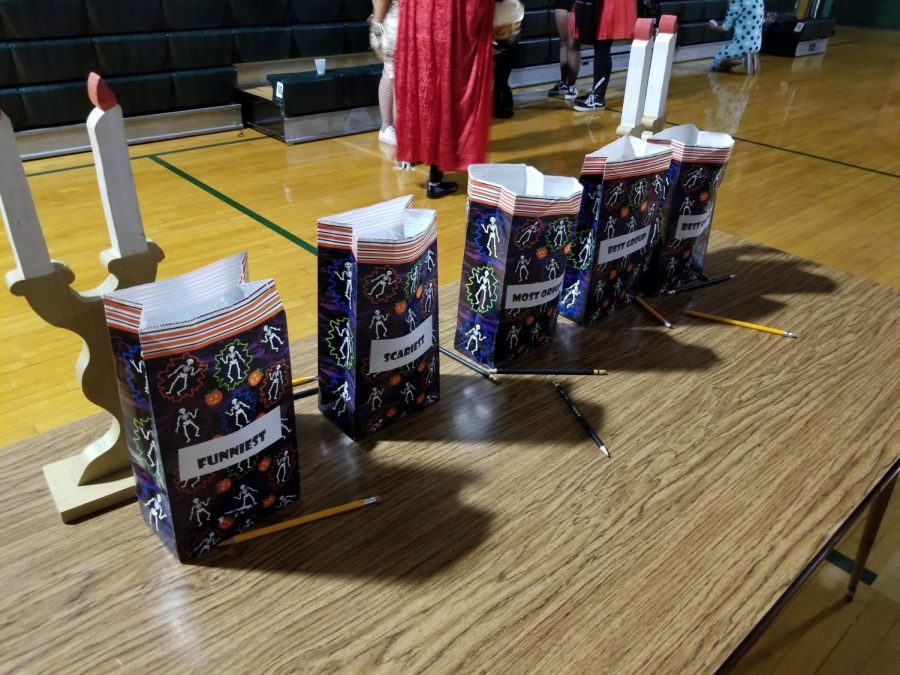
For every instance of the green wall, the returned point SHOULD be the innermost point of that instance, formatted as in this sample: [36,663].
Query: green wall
[884,14]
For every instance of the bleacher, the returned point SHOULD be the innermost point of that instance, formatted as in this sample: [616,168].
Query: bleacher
[165,56]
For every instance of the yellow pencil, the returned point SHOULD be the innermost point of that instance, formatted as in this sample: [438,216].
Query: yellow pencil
[303,380]
[302,520]
[742,324]
[652,312]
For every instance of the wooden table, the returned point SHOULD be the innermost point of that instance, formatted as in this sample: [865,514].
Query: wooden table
[506,542]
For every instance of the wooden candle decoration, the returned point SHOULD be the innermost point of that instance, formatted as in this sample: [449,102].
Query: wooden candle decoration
[100,474]
[654,115]
[636,80]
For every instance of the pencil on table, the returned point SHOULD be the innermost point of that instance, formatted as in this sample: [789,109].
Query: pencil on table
[547,371]
[304,380]
[742,324]
[700,284]
[652,312]
[304,393]
[581,420]
[302,520]
[478,369]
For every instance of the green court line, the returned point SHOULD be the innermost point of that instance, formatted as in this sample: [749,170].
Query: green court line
[235,205]
[164,152]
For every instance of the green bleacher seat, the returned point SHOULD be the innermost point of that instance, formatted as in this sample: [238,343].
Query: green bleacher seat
[534,51]
[257,12]
[200,48]
[356,10]
[553,50]
[48,105]
[7,67]
[11,105]
[536,4]
[356,37]
[538,22]
[187,14]
[315,11]
[715,9]
[673,8]
[307,93]
[206,87]
[131,54]
[143,94]
[53,60]
[262,44]
[360,86]
[322,40]
[123,16]
[692,10]
[781,6]
[29,19]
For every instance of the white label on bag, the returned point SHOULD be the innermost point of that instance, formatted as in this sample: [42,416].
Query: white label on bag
[691,226]
[625,244]
[523,296]
[396,352]
[220,453]
[279,89]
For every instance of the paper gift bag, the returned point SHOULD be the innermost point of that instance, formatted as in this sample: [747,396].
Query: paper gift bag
[204,375]
[698,166]
[519,231]
[624,183]
[378,315]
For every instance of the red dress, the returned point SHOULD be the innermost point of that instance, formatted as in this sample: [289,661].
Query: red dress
[443,82]
[616,20]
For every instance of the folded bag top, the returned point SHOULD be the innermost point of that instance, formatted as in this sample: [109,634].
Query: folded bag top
[627,156]
[695,145]
[522,189]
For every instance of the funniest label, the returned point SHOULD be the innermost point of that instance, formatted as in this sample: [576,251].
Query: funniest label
[523,296]
[625,244]
[397,352]
[220,453]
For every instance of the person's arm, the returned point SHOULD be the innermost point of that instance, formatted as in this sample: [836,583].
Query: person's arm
[735,8]
[380,10]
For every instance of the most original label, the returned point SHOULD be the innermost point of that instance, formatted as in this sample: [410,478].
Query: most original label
[624,244]
[220,453]
[523,296]
[397,352]
[691,226]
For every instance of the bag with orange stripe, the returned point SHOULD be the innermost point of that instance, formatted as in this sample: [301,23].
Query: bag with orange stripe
[519,232]
[204,374]
[618,222]
[378,315]
[698,166]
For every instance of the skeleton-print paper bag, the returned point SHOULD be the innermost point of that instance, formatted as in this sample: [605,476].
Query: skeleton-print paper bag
[519,232]
[624,183]
[698,165]
[378,315]
[204,374]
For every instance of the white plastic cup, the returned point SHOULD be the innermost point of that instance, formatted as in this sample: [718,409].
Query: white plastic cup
[320,66]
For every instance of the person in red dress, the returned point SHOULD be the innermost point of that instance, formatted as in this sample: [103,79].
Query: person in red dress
[443,86]
[616,22]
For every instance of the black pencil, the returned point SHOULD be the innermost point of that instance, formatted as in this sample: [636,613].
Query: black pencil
[478,369]
[581,420]
[700,284]
[547,371]
[303,393]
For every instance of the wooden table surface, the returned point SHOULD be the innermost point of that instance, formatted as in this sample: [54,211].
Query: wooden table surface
[506,542]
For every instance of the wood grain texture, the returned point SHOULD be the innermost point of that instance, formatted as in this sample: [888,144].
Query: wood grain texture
[506,542]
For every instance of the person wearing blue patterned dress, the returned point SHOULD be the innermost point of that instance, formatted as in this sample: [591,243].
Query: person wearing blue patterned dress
[746,17]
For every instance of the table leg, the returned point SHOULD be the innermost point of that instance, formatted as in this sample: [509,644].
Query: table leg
[873,522]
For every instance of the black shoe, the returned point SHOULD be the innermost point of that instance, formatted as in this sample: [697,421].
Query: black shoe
[588,103]
[442,189]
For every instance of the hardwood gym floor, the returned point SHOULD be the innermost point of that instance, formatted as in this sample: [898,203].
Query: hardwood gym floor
[815,172]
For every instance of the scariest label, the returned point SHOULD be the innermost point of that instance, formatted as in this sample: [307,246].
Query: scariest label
[396,352]
[220,453]
[690,226]
[625,244]
[530,295]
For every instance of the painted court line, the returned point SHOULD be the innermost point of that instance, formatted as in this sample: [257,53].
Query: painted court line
[290,236]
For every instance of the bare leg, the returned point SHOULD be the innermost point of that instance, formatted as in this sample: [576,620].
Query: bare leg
[565,73]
